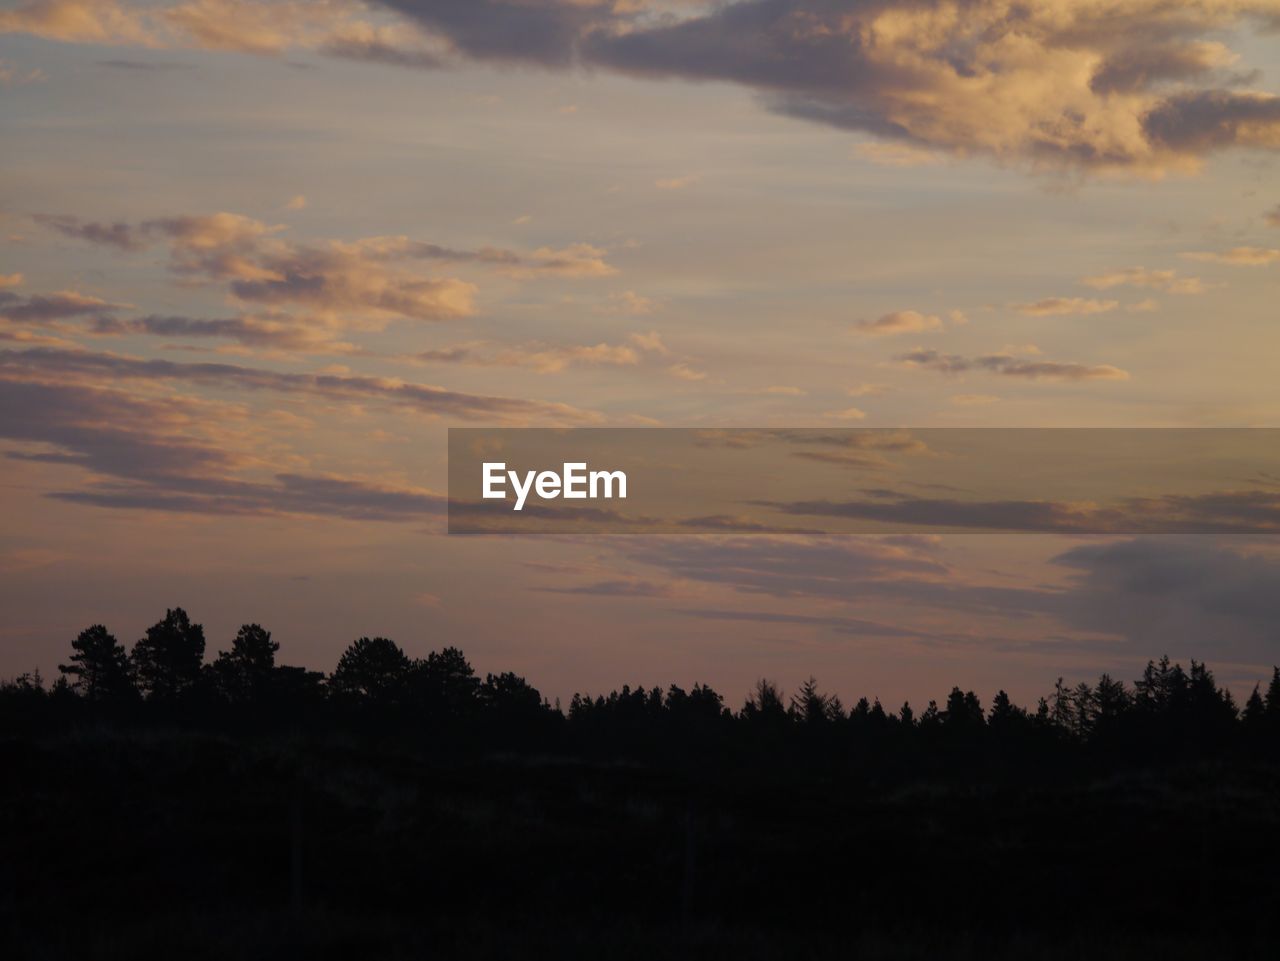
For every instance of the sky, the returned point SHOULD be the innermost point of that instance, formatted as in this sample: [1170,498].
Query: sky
[256,257]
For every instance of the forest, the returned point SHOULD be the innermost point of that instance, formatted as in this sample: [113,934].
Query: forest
[159,801]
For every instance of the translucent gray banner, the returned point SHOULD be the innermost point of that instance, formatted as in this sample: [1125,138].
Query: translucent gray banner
[871,481]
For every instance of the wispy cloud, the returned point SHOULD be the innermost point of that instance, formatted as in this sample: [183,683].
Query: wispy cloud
[1167,280]
[1009,366]
[1238,256]
[1052,306]
[900,322]
[422,398]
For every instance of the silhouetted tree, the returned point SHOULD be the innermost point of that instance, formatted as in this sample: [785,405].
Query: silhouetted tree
[963,711]
[1083,710]
[166,662]
[765,704]
[1255,710]
[878,717]
[244,673]
[812,707]
[373,670]
[99,666]
[1004,713]
[1273,695]
[510,695]
[1110,700]
[700,706]
[444,685]
[1062,707]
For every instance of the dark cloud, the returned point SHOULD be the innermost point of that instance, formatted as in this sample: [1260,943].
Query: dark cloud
[1073,84]
[279,332]
[104,431]
[1204,120]
[373,51]
[1194,596]
[1009,366]
[41,309]
[313,495]
[904,573]
[140,456]
[618,587]
[843,625]
[438,401]
[1138,69]
[546,33]
[144,65]
[784,566]
[1219,512]
[122,235]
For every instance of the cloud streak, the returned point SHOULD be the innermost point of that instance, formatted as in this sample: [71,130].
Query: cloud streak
[1009,365]
[419,398]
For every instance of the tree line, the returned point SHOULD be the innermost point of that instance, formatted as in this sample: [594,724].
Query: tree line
[165,678]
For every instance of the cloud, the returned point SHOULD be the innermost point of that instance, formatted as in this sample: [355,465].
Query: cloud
[616,587]
[335,286]
[683,371]
[298,202]
[1009,366]
[550,359]
[868,390]
[1227,511]
[119,63]
[40,309]
[12,75]
[1167,280]
[1047,83]
[421,398]
[80,21]
[848,413]
[121,235]
[1203,120]
[630,303]
[1136,85]
[575,260]
[1053,306]
[263,27]
[1239,256]
[315,495]
[675,183]
[786,565]
[144,446]
[900,322]
[547,33]
[1177,594]
[973,400]
[1272,216]
[272,331]
[10,280]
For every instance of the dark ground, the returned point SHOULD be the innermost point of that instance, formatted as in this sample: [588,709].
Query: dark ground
[130,844]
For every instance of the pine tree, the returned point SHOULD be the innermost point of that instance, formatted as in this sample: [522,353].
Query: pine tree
[166,662]
[99,666]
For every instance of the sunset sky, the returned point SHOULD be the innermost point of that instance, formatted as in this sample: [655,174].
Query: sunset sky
[256,257]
